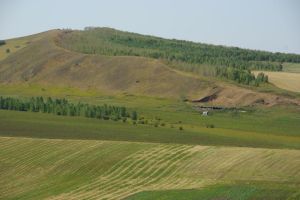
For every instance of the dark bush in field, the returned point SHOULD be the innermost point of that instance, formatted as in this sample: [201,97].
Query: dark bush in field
[210,126]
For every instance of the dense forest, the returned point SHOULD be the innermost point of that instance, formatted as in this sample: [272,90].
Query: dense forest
[201,58]
[66,108]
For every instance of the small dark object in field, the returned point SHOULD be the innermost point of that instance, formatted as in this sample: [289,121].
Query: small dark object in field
[210,126]
[157,118]
[180,128]
[141,122]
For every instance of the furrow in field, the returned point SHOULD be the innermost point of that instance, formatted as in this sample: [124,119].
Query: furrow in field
[161,172]
[124,167]
[139,163]
[157,169]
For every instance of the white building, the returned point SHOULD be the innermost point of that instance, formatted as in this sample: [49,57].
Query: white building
[204,113]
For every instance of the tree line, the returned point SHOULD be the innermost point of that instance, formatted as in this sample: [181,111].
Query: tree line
[242,76]
[66,108]
[2,42]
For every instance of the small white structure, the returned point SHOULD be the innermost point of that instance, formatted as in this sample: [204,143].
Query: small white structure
[205,113]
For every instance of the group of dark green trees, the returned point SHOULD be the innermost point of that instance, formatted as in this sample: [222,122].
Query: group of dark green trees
[2,42]
[66,108]
[241,76]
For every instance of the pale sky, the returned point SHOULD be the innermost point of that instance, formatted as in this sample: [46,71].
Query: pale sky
[272,25]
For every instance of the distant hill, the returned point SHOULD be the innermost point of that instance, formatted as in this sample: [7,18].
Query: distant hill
[127,64]
[107,41]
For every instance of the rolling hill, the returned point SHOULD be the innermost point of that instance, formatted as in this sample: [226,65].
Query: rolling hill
[44,60]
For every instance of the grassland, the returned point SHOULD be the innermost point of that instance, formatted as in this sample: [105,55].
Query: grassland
[230,191]
[285,80]
[257,129]
[279,120]
[77,169]
[55,66]
[16,44]
[80,158]
[13,46]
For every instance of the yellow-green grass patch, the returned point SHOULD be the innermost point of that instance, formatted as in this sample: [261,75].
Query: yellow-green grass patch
[284,80]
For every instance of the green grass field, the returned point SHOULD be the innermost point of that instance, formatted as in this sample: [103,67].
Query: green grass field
[85,169]
[25,124]
[280,120]
[234,191]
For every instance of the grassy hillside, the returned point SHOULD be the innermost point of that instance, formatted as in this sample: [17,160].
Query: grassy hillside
[106,41]
[75,169]
[42,62]
[16,44]
[49,64]
[209,60]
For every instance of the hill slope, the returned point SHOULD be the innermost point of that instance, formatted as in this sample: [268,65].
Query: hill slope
[43,62]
